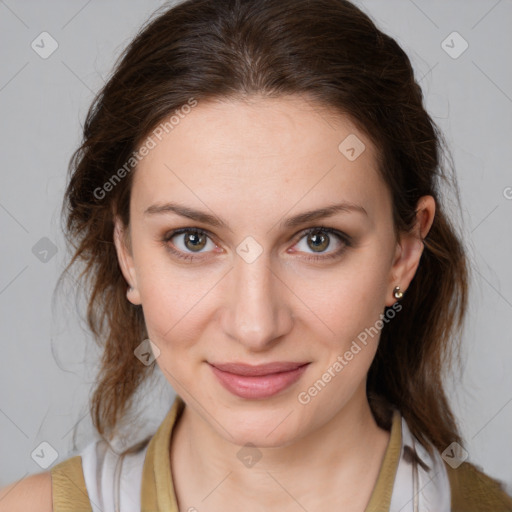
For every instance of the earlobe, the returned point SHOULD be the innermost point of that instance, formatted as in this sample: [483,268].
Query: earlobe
[125,260]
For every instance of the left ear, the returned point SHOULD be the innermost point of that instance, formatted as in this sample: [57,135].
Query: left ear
[410,247]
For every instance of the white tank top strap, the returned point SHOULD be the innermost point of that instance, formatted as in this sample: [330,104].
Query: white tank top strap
[113,482]
[419,487]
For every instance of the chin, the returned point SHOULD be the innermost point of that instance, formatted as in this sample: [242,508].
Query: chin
[265,430]
[261,440]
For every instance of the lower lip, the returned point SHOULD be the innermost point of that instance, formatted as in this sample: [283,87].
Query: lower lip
[263,386]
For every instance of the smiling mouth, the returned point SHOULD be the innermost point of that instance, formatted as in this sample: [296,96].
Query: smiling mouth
[258,382]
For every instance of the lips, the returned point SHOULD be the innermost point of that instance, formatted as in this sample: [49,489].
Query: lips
[256,371]
[257,382]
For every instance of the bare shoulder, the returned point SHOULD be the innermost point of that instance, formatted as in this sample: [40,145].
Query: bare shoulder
[32,493]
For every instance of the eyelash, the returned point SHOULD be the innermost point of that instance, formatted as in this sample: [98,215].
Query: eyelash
[347,241]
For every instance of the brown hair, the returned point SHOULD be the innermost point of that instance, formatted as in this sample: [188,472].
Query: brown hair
[330,52]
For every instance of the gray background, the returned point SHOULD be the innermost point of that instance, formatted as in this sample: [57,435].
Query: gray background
[49,360]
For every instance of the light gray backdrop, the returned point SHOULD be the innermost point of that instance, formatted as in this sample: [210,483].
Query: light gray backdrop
[45,90]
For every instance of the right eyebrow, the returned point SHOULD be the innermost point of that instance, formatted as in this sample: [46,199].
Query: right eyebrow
[185,211]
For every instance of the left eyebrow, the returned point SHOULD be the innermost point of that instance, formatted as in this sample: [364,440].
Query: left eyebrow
[291,222]
[321,213]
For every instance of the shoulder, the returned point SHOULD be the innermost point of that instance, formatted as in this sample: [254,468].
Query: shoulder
[472,489]
[32,493]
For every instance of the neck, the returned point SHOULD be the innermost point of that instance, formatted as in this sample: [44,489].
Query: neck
[342,454]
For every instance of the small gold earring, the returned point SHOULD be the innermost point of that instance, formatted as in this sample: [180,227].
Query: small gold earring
[398,294]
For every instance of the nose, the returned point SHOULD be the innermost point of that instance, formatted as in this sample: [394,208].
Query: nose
[258,313]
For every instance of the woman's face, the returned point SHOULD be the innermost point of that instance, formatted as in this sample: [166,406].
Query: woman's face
[245,282]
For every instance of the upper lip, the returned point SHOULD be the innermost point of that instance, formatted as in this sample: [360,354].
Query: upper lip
[257,370]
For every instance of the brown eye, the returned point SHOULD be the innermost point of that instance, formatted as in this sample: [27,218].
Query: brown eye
[319,241]
[187,241]
[192,243]
[195,241]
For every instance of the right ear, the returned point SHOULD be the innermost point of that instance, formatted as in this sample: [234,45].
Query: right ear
[124,256]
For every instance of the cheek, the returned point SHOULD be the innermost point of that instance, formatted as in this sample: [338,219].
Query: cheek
[346,301]
[172,312]
[173,321]
[169,293]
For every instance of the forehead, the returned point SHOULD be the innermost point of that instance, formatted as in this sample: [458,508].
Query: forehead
[259,151]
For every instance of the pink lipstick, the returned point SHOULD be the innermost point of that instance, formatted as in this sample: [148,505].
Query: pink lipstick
[257,382]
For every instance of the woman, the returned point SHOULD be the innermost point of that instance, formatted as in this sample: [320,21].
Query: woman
[257,205]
